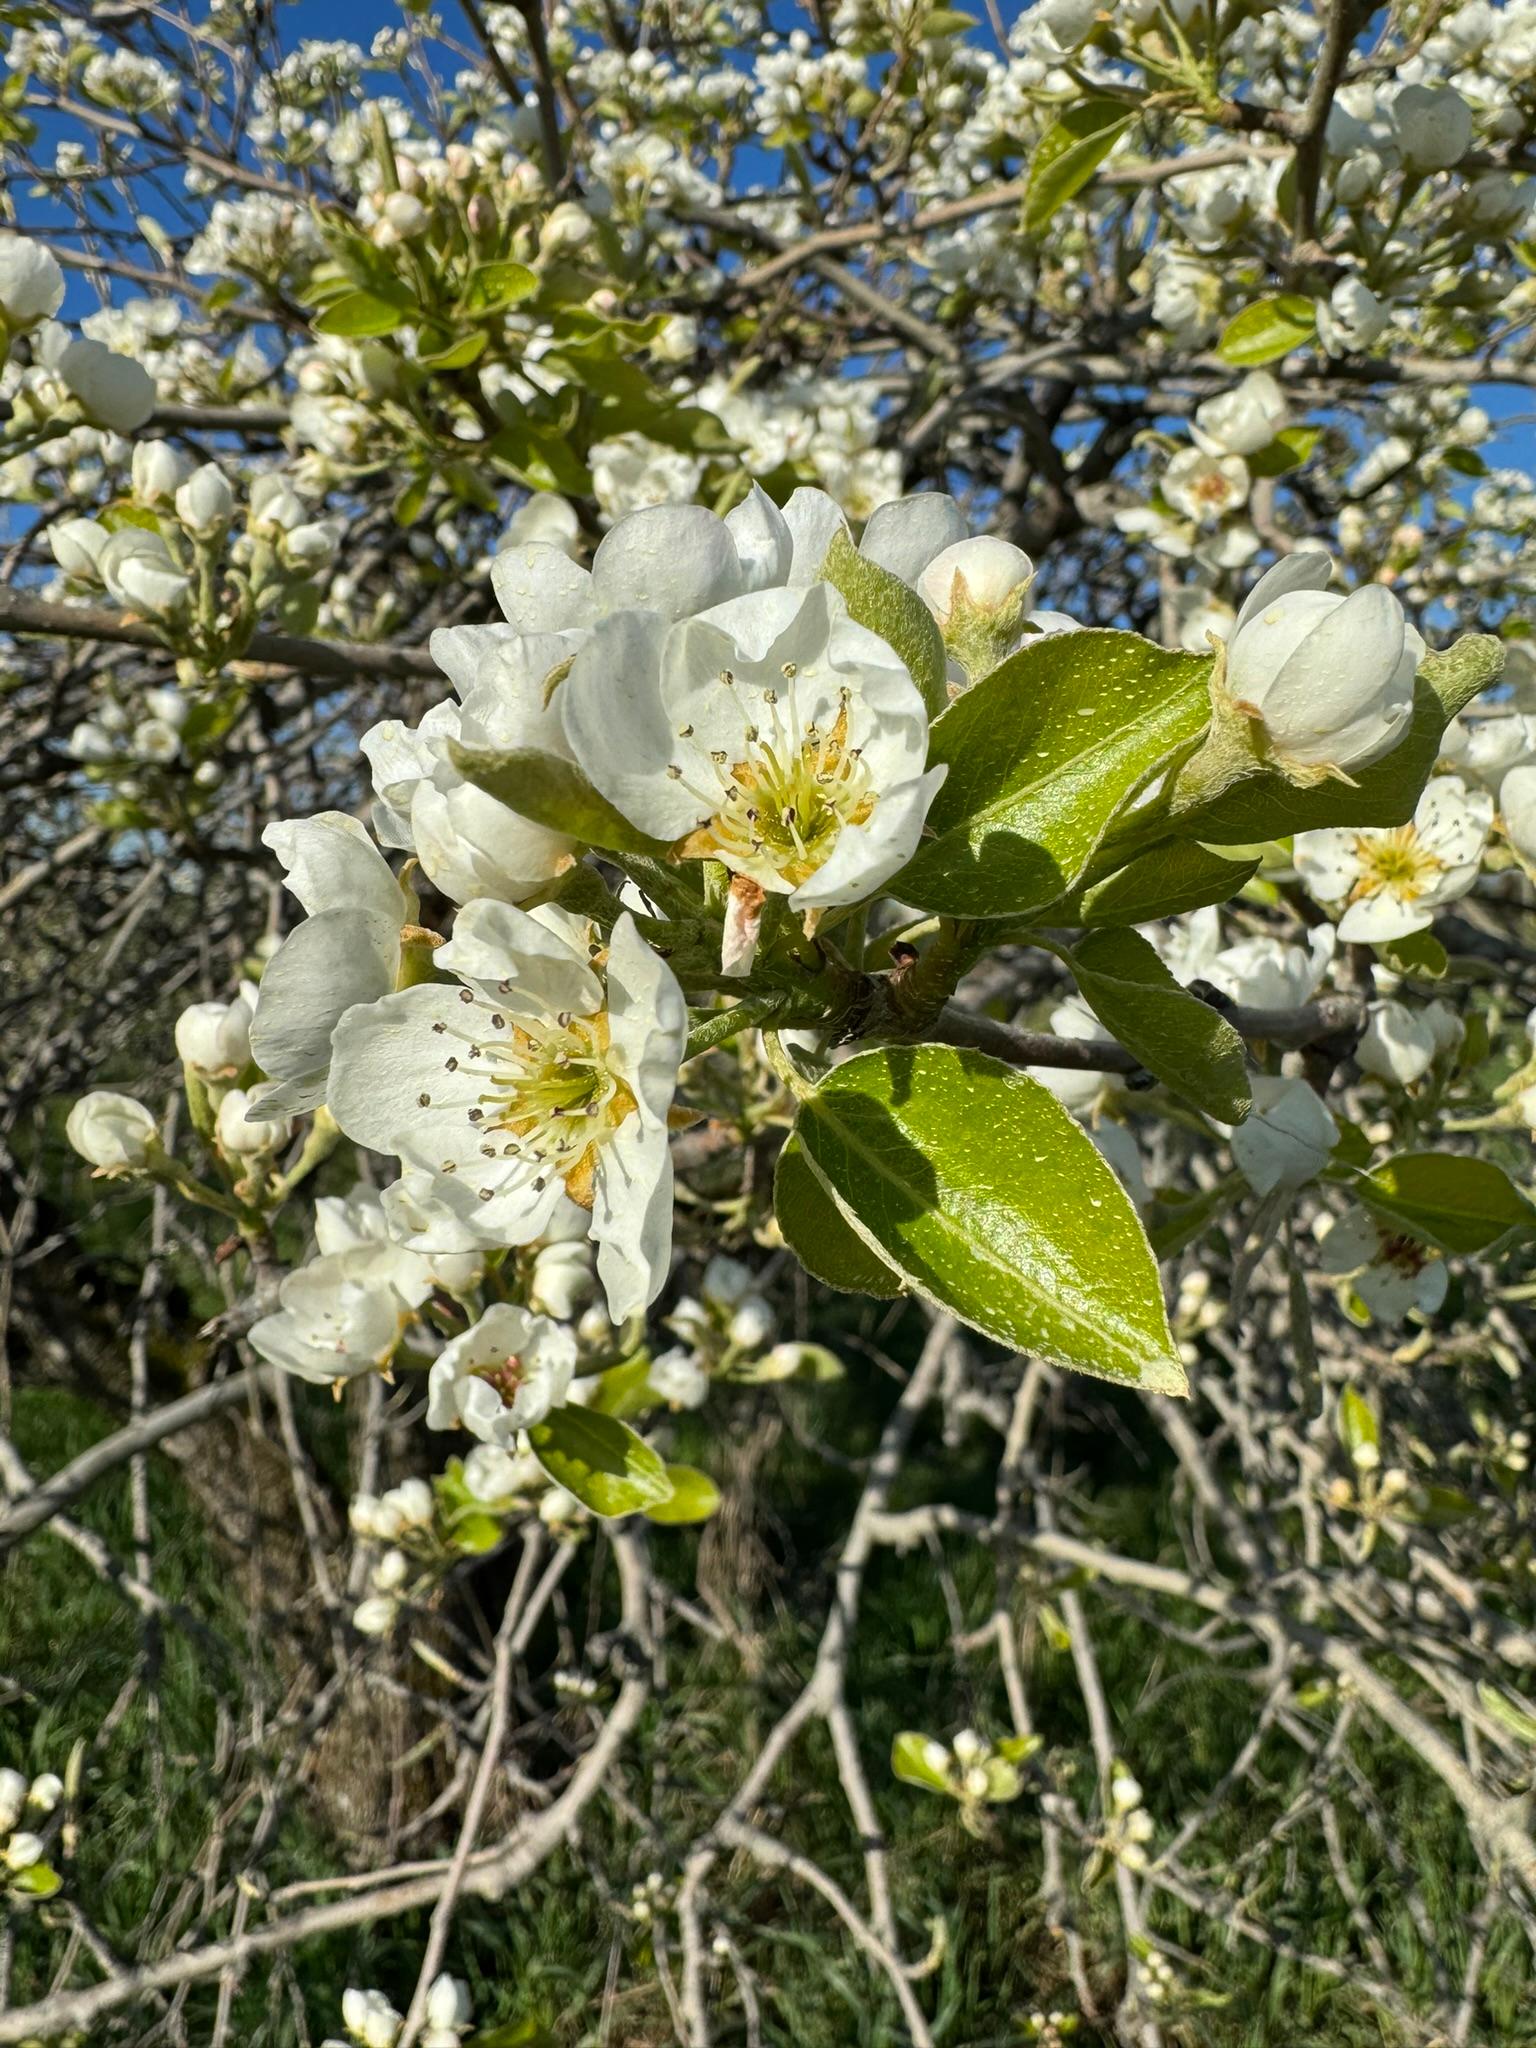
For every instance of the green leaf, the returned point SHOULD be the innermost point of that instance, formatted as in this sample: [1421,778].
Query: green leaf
[1044,754]
[1268,329]
[552,792]
[624,1390]
[829,1248]
[1069,153]
[1183,1041]
[359,313]
[887,606]
[1420,956]
[1458,1204]
[477,1533]
[1465,461]
[494,285]
[608,1468]
[37,1881]
[1266,806]
[1177,1218]
[695,1497]
[972,1181]
[512,2034]
[1170,878]
[910,1762]
[458,353]
[1290,448]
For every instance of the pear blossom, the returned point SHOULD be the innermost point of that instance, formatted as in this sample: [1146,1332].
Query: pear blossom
[205,502]
[1261,972]
[1287,1137]
[1486,749]
[677,1377]
[77,546]
[449,2014]
[770,733]
[1350,318]
[1517,809]
[1433,125]
[1205,487]
[244,1135]
[470,844]
[548,517]
[340,1315]
[112,390]
[158,472]
[1242,421]
[348,950]
[984,573]
[548,1073]
[345,1222]
[492,1474]
[1401,1045]
[1328,678]
[1390,1272]
[31,282]
[214,1039]
[113,1132]
[1392,880]
[154,741]
[13,1798]
[370,2019]
[502,1375]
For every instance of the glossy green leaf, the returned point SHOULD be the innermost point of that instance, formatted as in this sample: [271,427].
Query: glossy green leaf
[1268,329]
[625,1390]
[1419,956]
[1186,1043]
[493,285]
[972,1181]
[1266,806]
[887,606]
[552,792]
[1177,1217]
[1458,1204]
[1173,877]
[916,1760]
[37,1881]
[610,1470]
[1044,754]
[695,1497]
[1291,447]
[358,314]
[1069,153]
[828,1247]
[458,353]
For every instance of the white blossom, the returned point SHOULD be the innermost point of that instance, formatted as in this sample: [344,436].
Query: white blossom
[502,1375]
[113,1132]
[31,282]
[1243,420]
[1391,881]
[1400,1044]
[1329,678]
[1287,1137]
[245,1135]
[549,1072]
[1392,1273]
[214,1039]
[341,1314]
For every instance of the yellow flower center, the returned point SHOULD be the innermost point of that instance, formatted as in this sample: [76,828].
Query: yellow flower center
[777,812]
[1396,862]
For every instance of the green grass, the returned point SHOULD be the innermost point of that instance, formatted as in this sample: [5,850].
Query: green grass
[73,1647]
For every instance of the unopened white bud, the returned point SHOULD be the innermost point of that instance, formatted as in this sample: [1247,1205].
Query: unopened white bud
[243,1137]
[112,1131]
[159,470]
[205,503]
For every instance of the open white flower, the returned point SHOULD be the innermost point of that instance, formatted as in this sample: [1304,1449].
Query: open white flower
[1287,1137]
[770,733]
[550,1072]
[341,1314]
[343,1222]
[1517,808]
[1205,487]
[1392,880]
[502,1376]
[1329,678]
[214,1039]
[112,1131]
[346,951]
[1262,972]
[1391,1273]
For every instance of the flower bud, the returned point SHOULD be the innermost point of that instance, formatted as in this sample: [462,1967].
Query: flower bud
[414,1501]
[275,505]
[448,2005]
[243,1137]
[13,1797]
[1350,318]
[753,1324]
[405,214]
[726,1280]
[491,1473]
[566,227]
[311,545]
[977,590]
[1328,679]
[1288,1137]
[370,2018]
[31,282]
[205,503]
[391,1571]
[172,707]
[23,1850]
[1517,808]
[1397,1045]
[1244,420]
[562,1281]
[113,1132]
[159,470]
[46,1790]
[214,1039]
[77,546]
